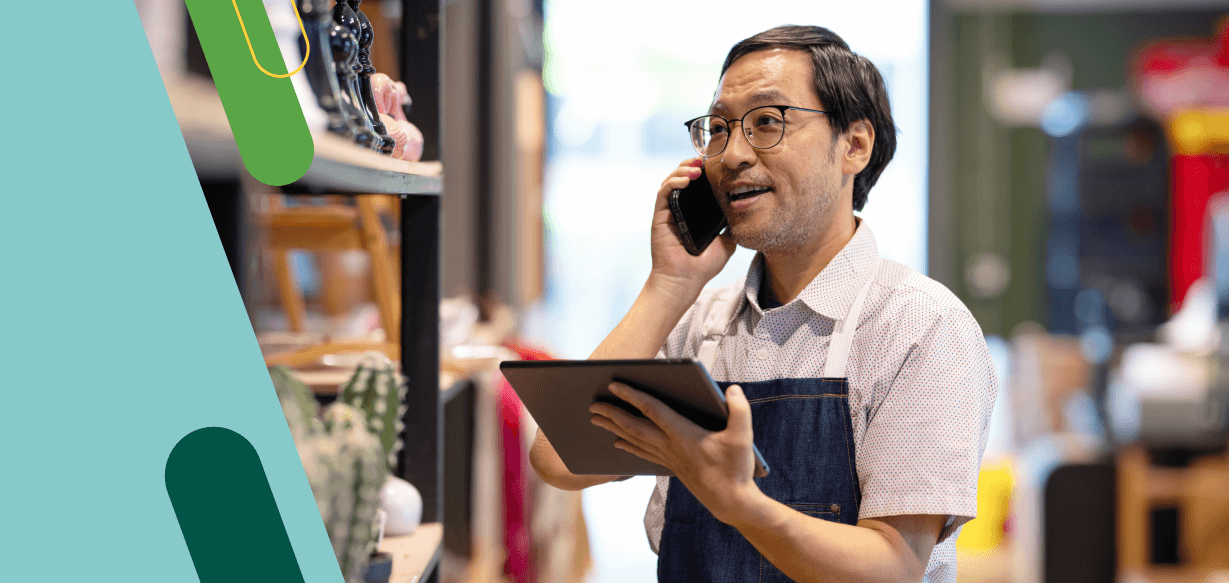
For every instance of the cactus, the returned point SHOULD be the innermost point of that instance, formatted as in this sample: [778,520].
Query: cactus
[347,451]
[345,466]
[298,403]
[379,390]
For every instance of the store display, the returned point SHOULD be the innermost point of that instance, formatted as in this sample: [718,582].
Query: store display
[402,505]
[346,466]
[1185,83]
[320,72]
[341,91]
[355,180]
[366,35]
[344,46]
[379,390]
[348,75]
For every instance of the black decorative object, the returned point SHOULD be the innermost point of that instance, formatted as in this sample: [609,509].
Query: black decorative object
[320,72]
[344,34]
[344,48]
[366,37]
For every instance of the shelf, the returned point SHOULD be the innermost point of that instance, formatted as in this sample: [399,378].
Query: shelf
[338,166]
[341,167]
[328,382]
[324,382]
[414,555]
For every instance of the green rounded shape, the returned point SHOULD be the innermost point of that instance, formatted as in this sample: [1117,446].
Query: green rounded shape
[264,112]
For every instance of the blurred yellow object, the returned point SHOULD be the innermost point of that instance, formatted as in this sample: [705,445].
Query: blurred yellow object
[994,485]
[1200,131]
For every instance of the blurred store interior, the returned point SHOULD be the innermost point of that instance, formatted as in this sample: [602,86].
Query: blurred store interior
[1063,167]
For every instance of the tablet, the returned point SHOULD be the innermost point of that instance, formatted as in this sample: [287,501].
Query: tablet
[558,394]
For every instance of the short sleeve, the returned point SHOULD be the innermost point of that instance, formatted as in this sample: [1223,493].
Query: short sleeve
[682,342]
[924,440]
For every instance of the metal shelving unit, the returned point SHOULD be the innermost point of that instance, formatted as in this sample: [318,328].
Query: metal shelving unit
[341,168]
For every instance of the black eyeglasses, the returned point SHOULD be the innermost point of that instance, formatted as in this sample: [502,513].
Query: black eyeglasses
[711,133]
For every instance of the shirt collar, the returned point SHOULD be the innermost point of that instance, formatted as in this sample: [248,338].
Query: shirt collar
[832,291]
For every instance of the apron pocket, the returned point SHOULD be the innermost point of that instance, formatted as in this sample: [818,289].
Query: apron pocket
[769,573]
[830,512]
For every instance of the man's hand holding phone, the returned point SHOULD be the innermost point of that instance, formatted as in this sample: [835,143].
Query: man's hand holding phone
[674,269]
[675,282]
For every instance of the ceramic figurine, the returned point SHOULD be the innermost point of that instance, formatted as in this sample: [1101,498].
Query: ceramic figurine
[396,132]
[347,74]
[390,100]
[319,71]
[384,89]
[404,109]
[412,149]
[345,58]
[366,36]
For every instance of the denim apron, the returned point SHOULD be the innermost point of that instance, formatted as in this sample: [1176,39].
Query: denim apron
[803,429]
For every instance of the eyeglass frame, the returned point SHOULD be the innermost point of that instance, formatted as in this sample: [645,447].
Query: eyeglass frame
[730,124]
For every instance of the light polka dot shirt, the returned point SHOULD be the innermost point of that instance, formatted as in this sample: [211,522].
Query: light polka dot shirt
[921,381]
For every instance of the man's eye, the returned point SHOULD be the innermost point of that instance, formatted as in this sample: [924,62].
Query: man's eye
[717,130]
[768,121]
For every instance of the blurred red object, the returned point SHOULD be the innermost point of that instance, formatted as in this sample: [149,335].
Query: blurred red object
[1185,83]
[517,540]
[1195,178]
[1175,74]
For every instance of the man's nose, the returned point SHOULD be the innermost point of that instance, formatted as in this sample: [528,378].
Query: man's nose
[738,152]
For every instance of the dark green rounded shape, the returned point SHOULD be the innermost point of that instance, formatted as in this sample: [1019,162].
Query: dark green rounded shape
[226,510]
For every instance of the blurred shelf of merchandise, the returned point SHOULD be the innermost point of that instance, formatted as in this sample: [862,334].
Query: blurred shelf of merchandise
[1097,137]
[343,272]
[338,166]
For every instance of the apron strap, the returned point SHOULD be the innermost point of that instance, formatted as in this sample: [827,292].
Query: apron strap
[843,330]
[720,317]
[716,325]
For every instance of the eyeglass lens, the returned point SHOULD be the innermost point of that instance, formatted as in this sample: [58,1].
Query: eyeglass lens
[763,126]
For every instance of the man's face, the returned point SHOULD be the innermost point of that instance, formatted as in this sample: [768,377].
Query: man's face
[797,180]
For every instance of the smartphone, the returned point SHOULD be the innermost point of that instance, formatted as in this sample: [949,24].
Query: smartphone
[696,213]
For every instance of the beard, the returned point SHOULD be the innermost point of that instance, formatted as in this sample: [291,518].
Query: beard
[793,220]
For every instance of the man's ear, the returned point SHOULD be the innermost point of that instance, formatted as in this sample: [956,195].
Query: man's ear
[860,138]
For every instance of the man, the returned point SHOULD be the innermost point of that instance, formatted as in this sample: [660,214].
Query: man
[867,386]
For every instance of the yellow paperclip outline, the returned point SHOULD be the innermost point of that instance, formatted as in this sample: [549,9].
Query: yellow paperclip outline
[307,43]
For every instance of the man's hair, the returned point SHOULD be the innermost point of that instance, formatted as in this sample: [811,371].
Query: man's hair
[849,87]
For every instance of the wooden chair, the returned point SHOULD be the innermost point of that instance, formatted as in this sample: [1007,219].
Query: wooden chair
[334,227]
[1200,492]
